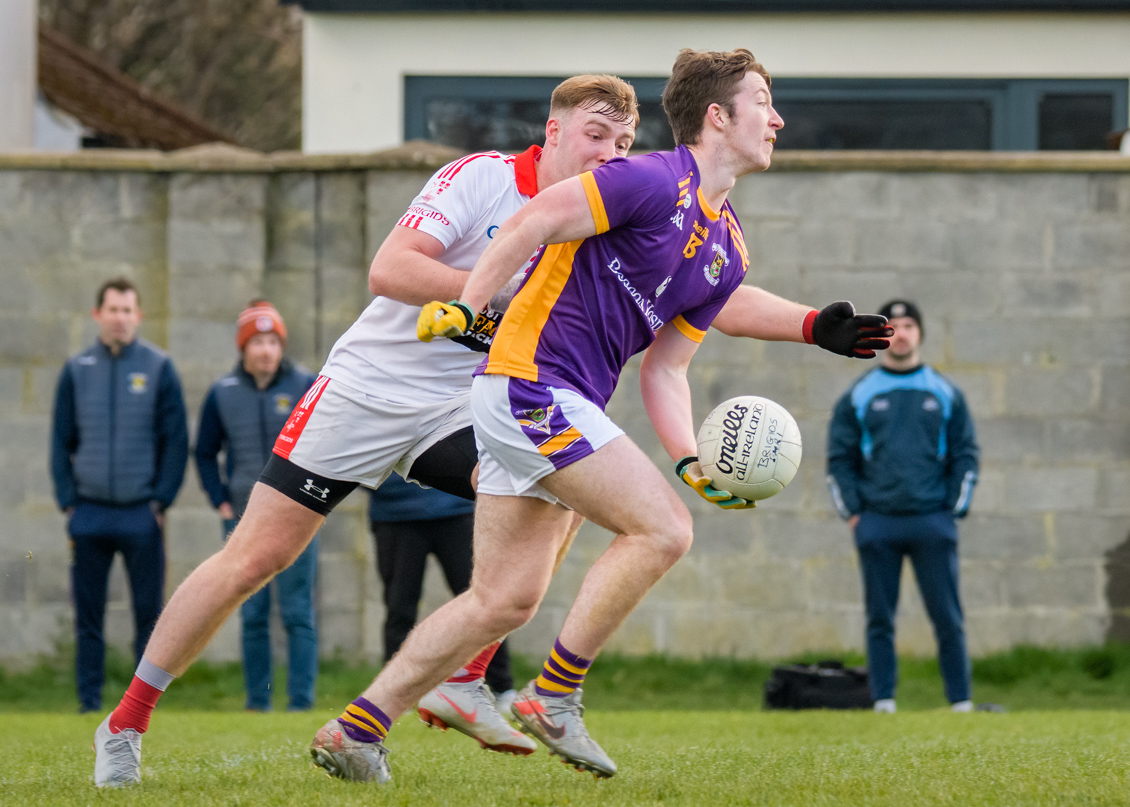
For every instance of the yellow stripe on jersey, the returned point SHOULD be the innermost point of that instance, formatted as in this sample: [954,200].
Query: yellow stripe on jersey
[736,236]
[707,210]
[688,330]
[516,341]
[560,441]
[596,203]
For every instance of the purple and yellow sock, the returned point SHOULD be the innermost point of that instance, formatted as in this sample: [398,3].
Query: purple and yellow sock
[364,722]
[563,672]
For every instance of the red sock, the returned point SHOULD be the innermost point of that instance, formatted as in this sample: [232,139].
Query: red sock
[477,668]
[136,707]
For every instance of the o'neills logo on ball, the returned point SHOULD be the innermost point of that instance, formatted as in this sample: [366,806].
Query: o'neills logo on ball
[732,453]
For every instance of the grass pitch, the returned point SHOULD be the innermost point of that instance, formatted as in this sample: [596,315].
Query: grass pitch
[666,758]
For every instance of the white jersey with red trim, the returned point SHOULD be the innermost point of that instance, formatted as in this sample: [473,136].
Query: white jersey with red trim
[462,206]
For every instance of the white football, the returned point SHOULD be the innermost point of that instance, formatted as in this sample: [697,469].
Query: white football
[749,446]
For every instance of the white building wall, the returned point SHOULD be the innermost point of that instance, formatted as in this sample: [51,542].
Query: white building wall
[355,63]
[17,73]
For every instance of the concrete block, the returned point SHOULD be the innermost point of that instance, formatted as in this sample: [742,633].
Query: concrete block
[1051,489]
[1091,245]
[1079,440]
[1011,439]
[919,246]
[993,246]
[1014,342]
[339,583]
[1062,585]
[1000,538]
[1109,194]
[971,292]
[951,198]
[27,633]
[861,283]
[1087,536]
[1050,197]
[1055,296]
[832,583]
[774,254]
[982,586]
[1113,485]
[827,244]
[1058,393]
[1114,393]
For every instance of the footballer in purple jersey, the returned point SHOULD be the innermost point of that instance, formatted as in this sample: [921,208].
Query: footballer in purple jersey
[643,254]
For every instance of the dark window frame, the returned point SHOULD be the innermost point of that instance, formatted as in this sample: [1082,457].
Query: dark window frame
[1014,102]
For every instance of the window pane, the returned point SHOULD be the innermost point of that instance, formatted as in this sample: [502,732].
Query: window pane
[884,124]
[512,126]
[1075,122]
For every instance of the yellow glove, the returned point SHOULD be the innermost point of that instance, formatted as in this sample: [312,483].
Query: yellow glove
[690,471]
[443,319]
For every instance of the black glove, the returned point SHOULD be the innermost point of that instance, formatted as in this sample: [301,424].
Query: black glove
[842,331]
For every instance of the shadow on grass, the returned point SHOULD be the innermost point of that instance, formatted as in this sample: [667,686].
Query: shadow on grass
[1022,678]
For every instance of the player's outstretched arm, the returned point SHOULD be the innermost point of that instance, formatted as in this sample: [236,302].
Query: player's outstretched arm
[407,268]
[557,215]
[758,314]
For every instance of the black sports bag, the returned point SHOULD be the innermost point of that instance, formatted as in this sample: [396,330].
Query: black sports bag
[824,685]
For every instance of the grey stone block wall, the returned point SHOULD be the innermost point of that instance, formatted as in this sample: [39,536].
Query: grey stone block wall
[1023,275]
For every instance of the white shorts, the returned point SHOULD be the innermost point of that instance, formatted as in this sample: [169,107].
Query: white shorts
[525,430]
[343,433]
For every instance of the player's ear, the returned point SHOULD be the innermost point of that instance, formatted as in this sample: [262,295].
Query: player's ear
[552,131]
[716,116]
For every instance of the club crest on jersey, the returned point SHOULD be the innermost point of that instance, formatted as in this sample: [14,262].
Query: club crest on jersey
[283,404]
[538,418]
[138,383]
[714,270]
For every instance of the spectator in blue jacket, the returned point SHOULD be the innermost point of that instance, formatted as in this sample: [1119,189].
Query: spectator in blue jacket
[243,413]
[409,523]
[119,445]
[902,463]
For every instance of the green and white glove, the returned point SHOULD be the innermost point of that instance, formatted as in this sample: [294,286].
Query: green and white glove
[690,471]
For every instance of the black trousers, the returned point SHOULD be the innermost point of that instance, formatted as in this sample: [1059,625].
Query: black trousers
[402,553]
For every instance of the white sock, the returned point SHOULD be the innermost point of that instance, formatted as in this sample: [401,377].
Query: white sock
[885,706]
[962,706]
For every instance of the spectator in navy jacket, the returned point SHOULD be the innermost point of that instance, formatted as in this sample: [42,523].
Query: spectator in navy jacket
[902,462]
[243,413]
[119,446]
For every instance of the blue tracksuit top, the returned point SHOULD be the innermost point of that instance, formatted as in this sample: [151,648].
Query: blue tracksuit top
[119,433]
[243,421]
[397,500]
[902,443]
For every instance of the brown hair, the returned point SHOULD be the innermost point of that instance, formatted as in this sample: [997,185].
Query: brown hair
[700,78]
[121,284]
[607,95]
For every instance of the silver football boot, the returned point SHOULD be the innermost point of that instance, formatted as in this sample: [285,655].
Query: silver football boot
[469,707]
[117,757]
[557,723]
[346,758]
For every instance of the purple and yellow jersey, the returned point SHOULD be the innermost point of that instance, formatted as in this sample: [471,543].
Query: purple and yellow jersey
[661,255]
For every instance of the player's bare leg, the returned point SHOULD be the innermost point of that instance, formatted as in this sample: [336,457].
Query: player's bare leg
[516,544]
[273,531]
[653,530]
[465,703]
